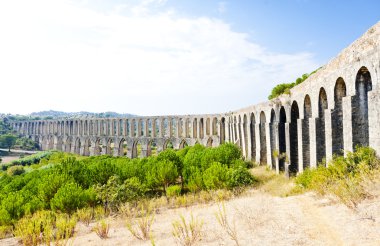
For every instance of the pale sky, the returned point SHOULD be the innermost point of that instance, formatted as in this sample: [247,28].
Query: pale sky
[149,57]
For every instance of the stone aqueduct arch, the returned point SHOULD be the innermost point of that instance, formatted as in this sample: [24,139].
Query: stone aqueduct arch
[132,137]
[334,110]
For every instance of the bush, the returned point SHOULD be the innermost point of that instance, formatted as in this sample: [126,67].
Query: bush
[15,170]
[69,198]
[65,226]
[239,177]
[61,182]
[162,173]
[343,177]
[173,191]
[36,229]
[215,176]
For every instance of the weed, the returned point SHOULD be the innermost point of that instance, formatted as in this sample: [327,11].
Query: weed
[221,217]
[102,229]
[141,227]
[187,234]
[36,229]
[65,228]
[5,231]
[85,215]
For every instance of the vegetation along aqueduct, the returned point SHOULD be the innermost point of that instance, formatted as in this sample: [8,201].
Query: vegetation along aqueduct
[334,110]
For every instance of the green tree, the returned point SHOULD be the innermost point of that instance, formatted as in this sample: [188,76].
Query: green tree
[7,141]
[69,198]
[215,176]
[162,174]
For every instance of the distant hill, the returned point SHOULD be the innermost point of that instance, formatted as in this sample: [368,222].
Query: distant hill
[51,114]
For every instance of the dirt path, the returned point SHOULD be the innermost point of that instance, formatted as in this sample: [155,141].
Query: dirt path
[259,219]
[322,225]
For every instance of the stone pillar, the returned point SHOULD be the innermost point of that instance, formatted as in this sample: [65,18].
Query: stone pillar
[300,145]
[258,147]
[373,120]
[287,139]
[269,149]
[313,142]
[125,128]
[347,124]
[92,150]
[129,151]
[179,128]
[276,146]
[232,129]
[199,128]
[146,130]
[116,150]
[144,150]
[132,128]
[205,129]
[170,127]
[162,128]
[328,136]
[249,153]
[243,141]
[139,127]
[81,150]
[154,128]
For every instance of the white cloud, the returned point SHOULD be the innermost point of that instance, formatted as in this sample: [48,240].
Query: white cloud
[131,58]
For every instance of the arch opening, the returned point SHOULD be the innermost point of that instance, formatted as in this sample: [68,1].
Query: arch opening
[307,112]
[123,147]
[282,139]
[222,130]
[110,147]
[321,127]
[363,84]
[293,137]
[337,117]
[152,148]
[137,149]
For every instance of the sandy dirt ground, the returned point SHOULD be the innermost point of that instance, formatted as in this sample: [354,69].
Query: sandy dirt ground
[259,219]
[6,159]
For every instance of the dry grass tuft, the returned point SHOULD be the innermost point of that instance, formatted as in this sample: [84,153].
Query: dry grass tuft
[187,233]
[272,183]
[140,228]
[102,229]
[221,217]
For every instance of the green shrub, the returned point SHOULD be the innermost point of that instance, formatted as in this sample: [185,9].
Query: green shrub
[15,170]
[239,176]
[343,177]
[65,226]
[173,191]
[5,231]
[69,198]
[215,176]
[36,229]
[162,174]
[63,182]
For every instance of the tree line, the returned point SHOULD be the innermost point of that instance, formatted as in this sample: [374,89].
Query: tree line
[63,182]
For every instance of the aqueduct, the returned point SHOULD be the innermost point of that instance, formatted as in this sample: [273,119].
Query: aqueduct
[334,110]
